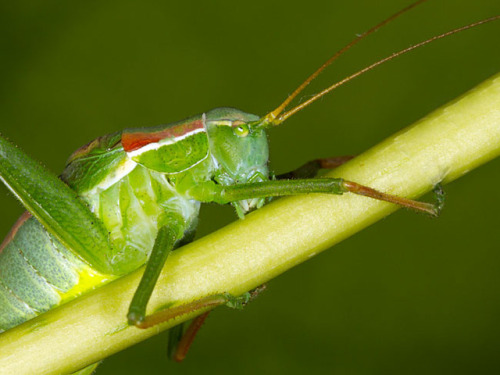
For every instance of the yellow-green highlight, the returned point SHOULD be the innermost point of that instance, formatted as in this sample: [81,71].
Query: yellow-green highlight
[451,141]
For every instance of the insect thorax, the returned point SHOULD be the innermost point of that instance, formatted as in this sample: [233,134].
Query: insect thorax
[133,180]
[133,208]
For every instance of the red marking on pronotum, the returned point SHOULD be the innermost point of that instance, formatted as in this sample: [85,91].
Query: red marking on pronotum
[25,216]
[134,140]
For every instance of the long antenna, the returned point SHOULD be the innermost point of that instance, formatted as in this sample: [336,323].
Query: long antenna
[284,116]
[272,115]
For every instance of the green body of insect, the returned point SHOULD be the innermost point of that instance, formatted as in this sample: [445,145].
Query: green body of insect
[134,182]
[129,198]
[136,191]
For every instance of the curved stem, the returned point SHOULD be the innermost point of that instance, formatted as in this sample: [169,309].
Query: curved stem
[440,148]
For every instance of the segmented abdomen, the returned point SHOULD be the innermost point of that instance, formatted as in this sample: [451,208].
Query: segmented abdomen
[35,273]
[38,273]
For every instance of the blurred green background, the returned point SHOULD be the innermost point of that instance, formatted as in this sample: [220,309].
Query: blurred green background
[409,295]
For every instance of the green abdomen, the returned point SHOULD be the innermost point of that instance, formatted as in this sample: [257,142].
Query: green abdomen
[37,273]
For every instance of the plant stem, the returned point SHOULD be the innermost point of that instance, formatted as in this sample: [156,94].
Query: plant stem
[440,148]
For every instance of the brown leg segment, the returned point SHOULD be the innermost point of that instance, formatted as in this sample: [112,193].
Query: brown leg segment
[310,169]
[431,209]
[180,343]
[327,185]
[163,316]
[188,337]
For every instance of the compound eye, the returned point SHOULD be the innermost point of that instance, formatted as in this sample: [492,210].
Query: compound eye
[241,130]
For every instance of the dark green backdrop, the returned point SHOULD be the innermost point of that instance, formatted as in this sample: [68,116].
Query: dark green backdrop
[409,295]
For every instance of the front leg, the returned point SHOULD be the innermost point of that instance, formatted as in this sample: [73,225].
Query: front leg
[212,192]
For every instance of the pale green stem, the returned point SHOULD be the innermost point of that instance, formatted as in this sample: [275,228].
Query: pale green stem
[440,148]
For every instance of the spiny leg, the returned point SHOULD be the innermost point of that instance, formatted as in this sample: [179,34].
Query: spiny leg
[311,168]
[225,194]
[431,209]
[180,341]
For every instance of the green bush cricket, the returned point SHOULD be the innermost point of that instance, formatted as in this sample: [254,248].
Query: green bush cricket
[104,177]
